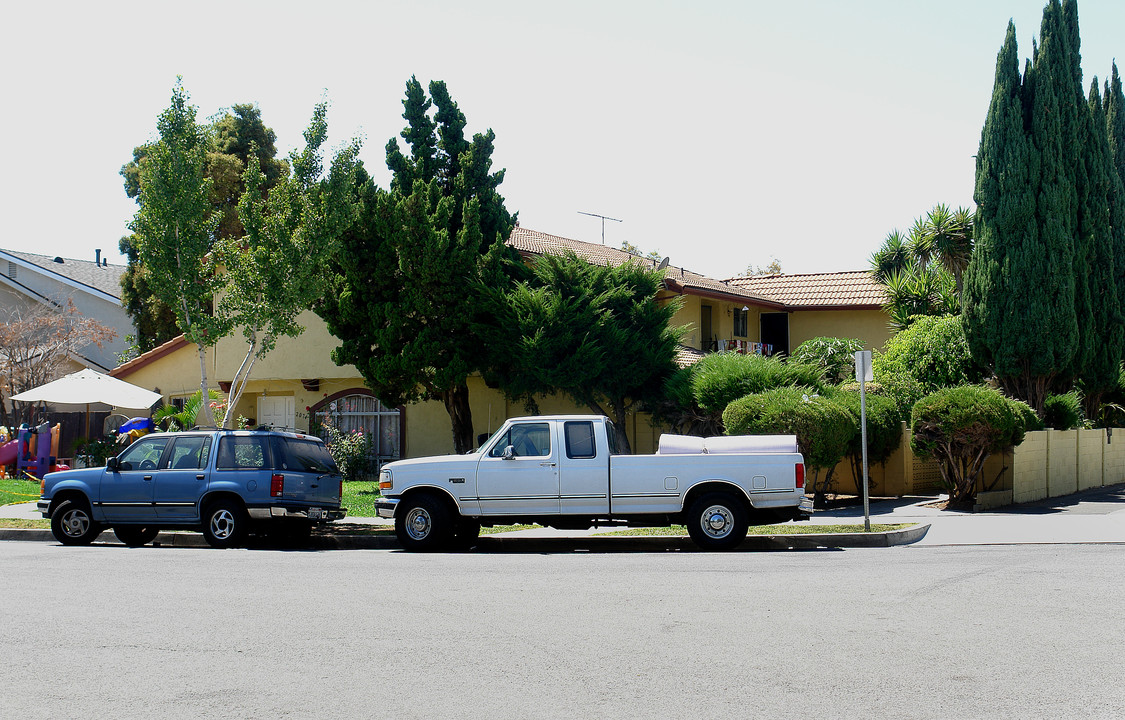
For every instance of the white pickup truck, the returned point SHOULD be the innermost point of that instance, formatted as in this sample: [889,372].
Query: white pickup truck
[564,472]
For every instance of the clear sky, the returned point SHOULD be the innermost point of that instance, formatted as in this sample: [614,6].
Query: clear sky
[722,134]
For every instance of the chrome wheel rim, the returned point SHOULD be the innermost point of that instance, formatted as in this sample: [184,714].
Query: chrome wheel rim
[222,524]
[418,523]
[717,521]
[75,523]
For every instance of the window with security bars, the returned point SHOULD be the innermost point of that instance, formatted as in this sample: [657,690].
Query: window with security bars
[366,413]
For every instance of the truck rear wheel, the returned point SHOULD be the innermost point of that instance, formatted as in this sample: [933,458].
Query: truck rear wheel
[717,521]
[423,522]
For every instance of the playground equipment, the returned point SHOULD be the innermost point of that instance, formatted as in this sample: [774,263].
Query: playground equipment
[33,452]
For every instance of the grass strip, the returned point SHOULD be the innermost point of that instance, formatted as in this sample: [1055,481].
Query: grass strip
[22,524]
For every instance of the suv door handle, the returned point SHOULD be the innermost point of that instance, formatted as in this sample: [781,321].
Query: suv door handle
[148,478]
[200,476]
[547,464]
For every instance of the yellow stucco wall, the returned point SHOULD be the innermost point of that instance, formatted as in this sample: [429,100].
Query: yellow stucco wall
[309,355]
[722,320]
[175,374]
[870,326]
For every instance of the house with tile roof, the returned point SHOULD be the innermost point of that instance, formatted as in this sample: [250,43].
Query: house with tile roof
[298,381]
[839,304]
[28,280]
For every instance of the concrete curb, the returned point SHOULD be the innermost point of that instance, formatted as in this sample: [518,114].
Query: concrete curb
[503,543]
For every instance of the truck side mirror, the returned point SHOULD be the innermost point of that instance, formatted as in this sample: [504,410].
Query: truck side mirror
[509,453]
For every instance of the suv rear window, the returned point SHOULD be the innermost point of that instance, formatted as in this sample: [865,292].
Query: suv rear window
[242,452]
[302,455]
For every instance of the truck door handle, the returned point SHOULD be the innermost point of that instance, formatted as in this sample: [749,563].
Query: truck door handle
[148,478]
[200,476]
[547,464]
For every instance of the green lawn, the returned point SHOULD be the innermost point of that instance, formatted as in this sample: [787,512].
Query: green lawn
[360,496]
[18,491]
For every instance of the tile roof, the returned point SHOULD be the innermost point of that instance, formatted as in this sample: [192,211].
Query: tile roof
[105,278]
[676,279]
[687,356]
[126,369]
[852,289]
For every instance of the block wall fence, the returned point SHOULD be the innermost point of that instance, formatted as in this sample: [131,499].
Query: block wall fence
[1047,464]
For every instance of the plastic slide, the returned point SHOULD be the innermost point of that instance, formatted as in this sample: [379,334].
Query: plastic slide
[8,452]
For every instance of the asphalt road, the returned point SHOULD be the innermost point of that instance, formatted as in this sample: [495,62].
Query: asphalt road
[912,632]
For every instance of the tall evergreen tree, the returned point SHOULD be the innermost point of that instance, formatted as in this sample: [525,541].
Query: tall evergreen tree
[405,284]
[1022,296]
[1106,335]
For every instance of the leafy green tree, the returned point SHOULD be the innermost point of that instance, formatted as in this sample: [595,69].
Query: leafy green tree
[945,236]
[595,333]
[915,286]
[894,256]
[929,355]
[834,356]
[405,283]
[174,227]
[272,273]
[230,141]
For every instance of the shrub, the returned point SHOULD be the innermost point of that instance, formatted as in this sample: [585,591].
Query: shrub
[929,355]
[1063,412]
[824,428]
[884,430]
[834,356]
[351,450]
[960,427]
[721,378]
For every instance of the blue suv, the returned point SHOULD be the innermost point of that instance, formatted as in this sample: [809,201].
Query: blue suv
[219,481]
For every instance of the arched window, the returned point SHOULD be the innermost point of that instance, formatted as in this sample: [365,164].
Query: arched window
[358,409]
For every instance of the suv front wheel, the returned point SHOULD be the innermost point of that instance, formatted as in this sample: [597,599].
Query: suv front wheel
[224,524]
[72,524]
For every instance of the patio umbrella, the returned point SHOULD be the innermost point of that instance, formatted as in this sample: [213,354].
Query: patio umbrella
[87,387]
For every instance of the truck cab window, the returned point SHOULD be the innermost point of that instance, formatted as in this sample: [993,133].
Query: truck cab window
[579,439]
[527,439]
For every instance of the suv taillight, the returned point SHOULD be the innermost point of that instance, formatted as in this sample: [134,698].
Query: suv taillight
[277,485]
[800,476]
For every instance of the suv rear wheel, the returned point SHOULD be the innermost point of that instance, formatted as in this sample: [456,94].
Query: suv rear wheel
[224,524]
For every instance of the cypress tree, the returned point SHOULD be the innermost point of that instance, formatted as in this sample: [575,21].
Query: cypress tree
[1027,285]
[1106,336]
[999,295]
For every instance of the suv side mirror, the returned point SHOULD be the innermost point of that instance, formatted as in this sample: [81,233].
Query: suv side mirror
[112,464]
[509,453]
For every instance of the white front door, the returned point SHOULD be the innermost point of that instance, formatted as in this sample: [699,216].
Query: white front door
[277,411]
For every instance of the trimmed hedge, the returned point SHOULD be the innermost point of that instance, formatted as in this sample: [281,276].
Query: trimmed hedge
[960,427]
[1063,412]
[884,430]
[824,428]
[721,378]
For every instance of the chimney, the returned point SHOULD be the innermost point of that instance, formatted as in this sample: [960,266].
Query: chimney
[98,257]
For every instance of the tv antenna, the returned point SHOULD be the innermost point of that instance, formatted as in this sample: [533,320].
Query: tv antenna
[604,218]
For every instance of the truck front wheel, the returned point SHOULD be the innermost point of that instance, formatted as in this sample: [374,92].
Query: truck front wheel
[423,522]
[717,521]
